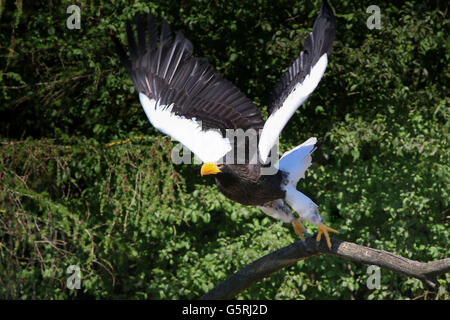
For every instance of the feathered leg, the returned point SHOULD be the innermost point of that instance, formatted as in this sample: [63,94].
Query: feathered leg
[307,210]
[279,210]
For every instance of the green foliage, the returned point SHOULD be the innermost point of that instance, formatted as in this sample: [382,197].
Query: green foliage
[140,227]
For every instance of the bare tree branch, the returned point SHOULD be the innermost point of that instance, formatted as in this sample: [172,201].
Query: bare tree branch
[299,250]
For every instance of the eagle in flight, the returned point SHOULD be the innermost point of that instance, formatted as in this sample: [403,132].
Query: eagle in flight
[185,98]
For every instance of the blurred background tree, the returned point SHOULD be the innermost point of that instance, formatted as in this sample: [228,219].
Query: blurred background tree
[139,226]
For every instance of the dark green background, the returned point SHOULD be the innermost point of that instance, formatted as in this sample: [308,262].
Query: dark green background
[139,226]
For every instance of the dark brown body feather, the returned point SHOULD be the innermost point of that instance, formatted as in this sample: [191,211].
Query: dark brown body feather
[246,185]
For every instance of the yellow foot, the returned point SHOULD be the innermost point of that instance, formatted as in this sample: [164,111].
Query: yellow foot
[324,229]
[298,228]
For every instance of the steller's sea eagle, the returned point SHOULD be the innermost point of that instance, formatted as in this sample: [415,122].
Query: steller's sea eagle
[186,99]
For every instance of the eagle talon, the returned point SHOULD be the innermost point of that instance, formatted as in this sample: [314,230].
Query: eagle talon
[324,229]
[298,228]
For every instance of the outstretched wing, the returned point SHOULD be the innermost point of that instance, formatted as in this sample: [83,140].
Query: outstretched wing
[183,96]
[300,80]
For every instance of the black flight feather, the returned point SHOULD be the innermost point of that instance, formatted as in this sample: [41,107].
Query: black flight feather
[318,42]
[167,72]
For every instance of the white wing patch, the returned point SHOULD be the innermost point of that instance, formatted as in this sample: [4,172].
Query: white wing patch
[208,145]
[296,161]
[277,120]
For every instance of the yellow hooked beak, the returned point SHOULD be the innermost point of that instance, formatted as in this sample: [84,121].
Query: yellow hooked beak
[209,168]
